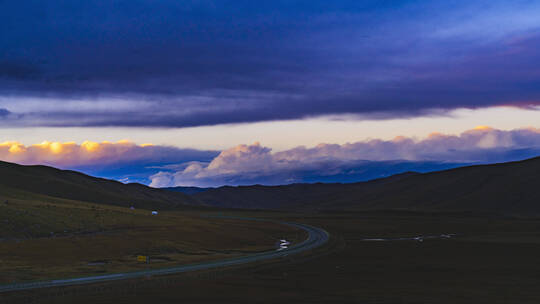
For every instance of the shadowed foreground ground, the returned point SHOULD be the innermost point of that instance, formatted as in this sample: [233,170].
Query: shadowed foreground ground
[490,260]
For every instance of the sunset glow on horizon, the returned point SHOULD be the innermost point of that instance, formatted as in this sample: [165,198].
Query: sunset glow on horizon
[172,166]
[183,87]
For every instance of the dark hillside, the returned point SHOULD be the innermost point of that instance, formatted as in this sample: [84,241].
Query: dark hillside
[187,190]
[506,188]
[77,186]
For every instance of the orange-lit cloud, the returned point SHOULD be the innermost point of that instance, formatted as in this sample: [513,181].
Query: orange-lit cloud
[483,128]
[255,163]
[68,154]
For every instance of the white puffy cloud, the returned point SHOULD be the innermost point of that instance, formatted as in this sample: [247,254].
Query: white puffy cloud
[249,164]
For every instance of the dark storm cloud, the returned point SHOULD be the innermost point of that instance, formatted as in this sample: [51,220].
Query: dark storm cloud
[4,112]
[16,71]
[190,63]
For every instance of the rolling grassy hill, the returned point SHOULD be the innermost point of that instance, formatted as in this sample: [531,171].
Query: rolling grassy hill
[506,188]
[42,180]
[58,224]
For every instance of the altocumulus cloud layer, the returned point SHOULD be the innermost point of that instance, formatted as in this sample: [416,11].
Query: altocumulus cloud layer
[250,164]
[191,63]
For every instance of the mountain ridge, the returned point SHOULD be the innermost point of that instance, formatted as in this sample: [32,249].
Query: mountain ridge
[507,188]
[68,184]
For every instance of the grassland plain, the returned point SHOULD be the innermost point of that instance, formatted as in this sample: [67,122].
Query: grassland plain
[47,238]
[489,260]
[63,224]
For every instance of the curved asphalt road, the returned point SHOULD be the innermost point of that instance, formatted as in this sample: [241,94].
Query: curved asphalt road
[316,238]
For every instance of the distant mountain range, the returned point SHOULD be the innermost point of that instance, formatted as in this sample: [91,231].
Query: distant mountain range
[505,188]
[187,190]
[325,171]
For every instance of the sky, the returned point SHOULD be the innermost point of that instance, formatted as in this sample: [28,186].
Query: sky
[207,93]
